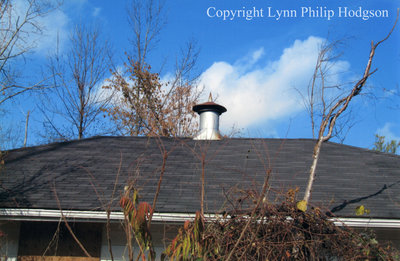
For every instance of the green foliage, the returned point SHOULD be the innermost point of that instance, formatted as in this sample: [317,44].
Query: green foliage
[190,244]
[138,216]
[361,210]
[382,145]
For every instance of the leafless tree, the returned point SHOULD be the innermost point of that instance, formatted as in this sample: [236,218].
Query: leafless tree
[146,18]
[147,105]
[72,108]
[18,26]
[143,107]
[319,94]
[333,110]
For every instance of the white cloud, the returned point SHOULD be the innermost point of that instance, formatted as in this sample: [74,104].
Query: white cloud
[103,94]
[53,27]
[386,131]
[391,92]
[258,54]
[255,94]
[249,61]
[81,2]
[55,32]
[96,11]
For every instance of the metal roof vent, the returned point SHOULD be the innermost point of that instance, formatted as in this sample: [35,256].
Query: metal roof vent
[209,120]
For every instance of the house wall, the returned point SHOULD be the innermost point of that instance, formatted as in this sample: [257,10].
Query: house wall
[384,235]
[389,235]
[162,234]
[32,238]
[55,239]
[9,240]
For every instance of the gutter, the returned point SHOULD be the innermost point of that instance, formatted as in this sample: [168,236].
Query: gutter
[84,215]
[367,222]
[179,218]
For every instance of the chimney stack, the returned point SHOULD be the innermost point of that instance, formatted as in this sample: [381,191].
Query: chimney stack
[209,120]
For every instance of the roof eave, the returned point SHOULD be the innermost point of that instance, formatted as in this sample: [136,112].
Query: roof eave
[17,214]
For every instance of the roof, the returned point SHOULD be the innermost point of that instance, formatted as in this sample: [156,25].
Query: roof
[82,175]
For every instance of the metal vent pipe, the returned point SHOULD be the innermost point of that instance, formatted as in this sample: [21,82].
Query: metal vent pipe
[209,120]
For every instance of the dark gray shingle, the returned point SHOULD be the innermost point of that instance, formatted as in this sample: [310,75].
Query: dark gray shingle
[83,173]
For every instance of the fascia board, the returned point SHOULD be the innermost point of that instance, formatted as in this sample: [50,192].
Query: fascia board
[101,216]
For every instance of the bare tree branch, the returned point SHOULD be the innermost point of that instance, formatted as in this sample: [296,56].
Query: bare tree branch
[77,77]
[144,104]
[146,18]
[67,225]
[332,114]
[17,30]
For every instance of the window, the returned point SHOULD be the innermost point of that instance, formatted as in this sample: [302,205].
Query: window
[53,239]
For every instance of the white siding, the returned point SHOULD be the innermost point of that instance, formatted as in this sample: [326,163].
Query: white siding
[160,234]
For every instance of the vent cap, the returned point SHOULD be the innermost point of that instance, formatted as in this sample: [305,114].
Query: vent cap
[209,120]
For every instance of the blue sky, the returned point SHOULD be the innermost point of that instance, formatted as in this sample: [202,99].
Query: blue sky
[256,67]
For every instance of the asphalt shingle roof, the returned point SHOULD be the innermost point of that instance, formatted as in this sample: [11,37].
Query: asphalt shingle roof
[83,174]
